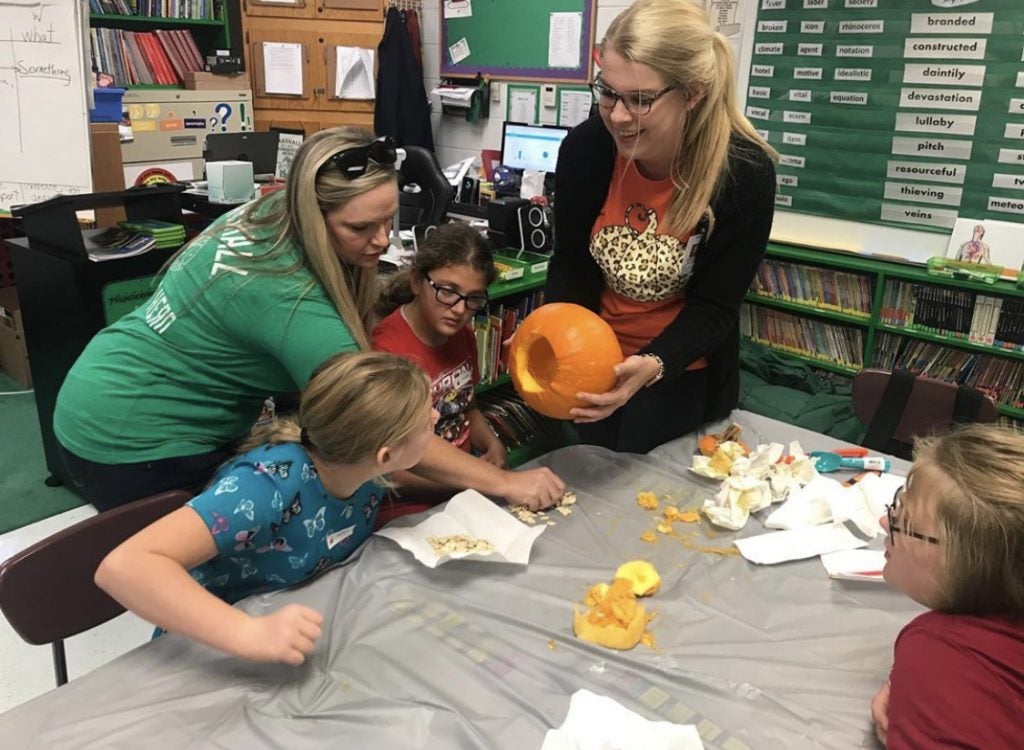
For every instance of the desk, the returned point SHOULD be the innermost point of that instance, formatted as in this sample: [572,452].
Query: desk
[770,658]
[199,202]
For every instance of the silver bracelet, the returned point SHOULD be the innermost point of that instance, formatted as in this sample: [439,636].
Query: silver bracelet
[661,369]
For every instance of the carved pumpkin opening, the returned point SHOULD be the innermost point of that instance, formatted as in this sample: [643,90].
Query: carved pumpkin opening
[541,364]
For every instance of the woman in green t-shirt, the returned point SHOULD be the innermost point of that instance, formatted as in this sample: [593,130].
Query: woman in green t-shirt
[248,309]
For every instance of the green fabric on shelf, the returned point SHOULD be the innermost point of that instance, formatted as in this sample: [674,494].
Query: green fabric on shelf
[790,391]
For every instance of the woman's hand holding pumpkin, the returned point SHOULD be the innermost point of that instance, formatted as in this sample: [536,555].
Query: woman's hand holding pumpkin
[632,374]
[536,488]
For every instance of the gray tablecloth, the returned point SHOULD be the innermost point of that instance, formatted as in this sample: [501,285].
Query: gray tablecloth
[482,655]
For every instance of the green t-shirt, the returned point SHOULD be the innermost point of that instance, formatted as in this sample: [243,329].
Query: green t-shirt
[188,372]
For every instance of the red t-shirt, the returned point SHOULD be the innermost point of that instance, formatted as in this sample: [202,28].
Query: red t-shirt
[957,682]
[452,368]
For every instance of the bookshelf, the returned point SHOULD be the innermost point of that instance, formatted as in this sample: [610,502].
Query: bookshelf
[807,304]
[154,60]
[535,435]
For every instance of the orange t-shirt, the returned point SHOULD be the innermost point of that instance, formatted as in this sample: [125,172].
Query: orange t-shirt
[645,272]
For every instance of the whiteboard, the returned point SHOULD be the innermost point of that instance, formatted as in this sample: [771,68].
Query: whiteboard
[44,116]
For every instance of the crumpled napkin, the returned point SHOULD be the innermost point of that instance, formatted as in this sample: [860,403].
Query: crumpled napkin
[824,500]
[753,482]
[596,722]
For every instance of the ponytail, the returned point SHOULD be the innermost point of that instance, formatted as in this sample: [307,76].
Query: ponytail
[279,430]
[397,292]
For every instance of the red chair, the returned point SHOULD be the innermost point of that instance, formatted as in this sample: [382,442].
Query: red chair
[47,591]
[897,406]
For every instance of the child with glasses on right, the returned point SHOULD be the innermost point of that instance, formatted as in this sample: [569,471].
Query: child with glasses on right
[428,307]
[956,545]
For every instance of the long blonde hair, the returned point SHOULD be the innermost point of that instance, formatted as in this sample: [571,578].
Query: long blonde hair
[675,38]
[355,404]
[296,215]
[979,508]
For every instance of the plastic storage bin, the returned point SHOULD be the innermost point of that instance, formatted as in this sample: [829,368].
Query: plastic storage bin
[108,105]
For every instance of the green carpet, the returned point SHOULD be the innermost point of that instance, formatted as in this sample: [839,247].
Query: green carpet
[24,498]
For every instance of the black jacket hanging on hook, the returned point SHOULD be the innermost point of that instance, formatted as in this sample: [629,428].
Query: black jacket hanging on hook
[401,109]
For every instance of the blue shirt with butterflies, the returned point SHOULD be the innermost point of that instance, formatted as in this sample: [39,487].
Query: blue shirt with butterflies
[274,523]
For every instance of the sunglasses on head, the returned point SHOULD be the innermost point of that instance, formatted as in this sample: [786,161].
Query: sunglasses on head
[353,162]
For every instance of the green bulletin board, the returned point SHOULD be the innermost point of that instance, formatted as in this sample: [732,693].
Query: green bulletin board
[903,112]
[508,39]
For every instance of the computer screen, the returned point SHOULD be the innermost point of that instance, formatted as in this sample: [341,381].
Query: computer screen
[260,148]
[531,146]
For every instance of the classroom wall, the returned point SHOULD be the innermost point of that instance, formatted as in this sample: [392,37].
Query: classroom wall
[454,138]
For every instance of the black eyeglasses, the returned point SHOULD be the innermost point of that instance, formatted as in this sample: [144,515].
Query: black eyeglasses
[448,296]
[635,102]
[892,509]
[353,162]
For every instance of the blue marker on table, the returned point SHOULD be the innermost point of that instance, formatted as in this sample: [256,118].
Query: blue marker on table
[828,462]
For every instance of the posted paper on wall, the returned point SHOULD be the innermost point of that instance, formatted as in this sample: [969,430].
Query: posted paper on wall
[522,106]
[354,74]
[574,108]
[459,51]
[458,8]
[282,68]
[564,33]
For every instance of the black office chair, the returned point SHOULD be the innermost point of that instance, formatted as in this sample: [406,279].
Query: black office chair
[428,204]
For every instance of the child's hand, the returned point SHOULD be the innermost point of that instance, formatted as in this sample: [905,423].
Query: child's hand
[880,712]
[535,488]
[287,635]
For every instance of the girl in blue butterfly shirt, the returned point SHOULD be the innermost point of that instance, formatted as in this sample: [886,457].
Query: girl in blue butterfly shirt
[299,497]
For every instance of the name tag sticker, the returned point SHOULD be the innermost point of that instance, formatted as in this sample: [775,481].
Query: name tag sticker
[338,537]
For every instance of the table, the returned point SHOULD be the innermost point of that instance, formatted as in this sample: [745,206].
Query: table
[482,655]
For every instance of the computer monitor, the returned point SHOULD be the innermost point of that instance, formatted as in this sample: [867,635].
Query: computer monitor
[533,147]
[258,148]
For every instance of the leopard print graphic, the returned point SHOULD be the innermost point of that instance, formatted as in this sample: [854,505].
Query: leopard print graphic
[640,263]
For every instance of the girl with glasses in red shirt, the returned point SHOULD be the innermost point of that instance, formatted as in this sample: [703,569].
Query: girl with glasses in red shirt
[428,308]
[956,545]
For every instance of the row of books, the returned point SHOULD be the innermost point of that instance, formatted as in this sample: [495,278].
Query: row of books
[165,234]
[963,314]
[129,238]
[160,57]
[495,325]
[999,377]
[842,345]
[833,290]
[196,9]
[514,422]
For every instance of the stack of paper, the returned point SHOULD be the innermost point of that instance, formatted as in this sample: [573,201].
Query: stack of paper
[455,96]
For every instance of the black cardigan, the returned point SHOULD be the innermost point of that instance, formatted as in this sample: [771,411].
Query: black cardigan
[725,265]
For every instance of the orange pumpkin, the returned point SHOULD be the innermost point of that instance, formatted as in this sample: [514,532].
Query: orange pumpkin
[559,350]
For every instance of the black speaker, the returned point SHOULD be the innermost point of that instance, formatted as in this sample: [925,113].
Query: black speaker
[534,230]
[503,222]
[469,190]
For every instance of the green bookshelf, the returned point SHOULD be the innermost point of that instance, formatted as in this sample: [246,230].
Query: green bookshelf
[880,271]
[501,380]
[802,308]
[209,33]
